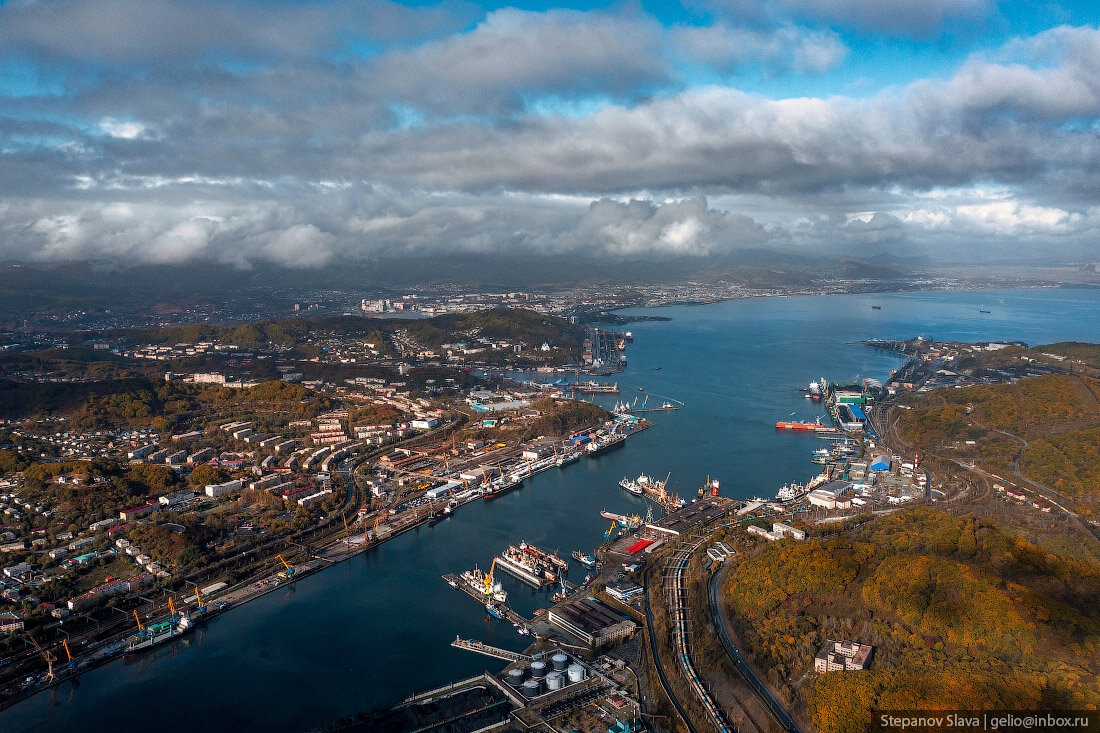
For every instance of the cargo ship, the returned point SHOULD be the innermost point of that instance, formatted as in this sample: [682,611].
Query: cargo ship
[156,634]
[567,458]
[603,444]
[530,564]
[809,427]
[502,485]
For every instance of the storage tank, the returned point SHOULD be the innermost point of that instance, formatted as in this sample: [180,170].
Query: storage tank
[555,680]
[577,673]
[515,676]
[538,669]
[560,661]
[531,688]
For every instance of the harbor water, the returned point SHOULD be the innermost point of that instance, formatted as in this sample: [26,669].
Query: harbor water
[376,629]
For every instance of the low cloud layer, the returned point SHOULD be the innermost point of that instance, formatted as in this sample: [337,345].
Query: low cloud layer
[324,131]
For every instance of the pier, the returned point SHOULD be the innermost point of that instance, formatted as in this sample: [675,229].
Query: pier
[473,645]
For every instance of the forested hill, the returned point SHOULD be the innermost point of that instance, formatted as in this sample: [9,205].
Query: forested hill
[961,615]
[1058,416]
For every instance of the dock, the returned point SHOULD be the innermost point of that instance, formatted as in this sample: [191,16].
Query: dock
[507,612]
[473,645]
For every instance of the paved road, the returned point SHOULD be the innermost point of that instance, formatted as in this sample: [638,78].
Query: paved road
[775,707]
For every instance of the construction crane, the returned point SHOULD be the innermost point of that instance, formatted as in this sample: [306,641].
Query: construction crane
[289,567]
[69,654]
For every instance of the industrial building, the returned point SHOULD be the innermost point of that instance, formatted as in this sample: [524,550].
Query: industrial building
[590,621]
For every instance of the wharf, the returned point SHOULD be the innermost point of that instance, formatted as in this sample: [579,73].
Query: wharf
[505,610]
[473,645]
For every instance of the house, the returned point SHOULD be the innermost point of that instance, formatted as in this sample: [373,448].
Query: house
[10,622]
[842,656]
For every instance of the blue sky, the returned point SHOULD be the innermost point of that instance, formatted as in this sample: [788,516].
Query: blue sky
[306,133]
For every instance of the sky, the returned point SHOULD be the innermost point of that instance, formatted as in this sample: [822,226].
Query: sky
[312,133]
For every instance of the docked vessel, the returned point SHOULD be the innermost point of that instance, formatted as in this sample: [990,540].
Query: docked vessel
[475,580]
[604,443]
[586,560]
[153,635]
[623,520]
[809,427]
[530,564]
[594,387]
[502,485]
[790,492]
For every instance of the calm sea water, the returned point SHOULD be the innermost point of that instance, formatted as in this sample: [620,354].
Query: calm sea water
[376,629]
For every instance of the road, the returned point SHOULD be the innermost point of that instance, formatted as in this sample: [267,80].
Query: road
[774,706]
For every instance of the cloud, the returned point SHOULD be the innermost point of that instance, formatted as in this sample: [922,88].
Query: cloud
[514,55]
[534,132]
[908,18]
[156,32]
[726,47]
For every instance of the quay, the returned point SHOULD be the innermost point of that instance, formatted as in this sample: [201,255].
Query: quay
[473,645]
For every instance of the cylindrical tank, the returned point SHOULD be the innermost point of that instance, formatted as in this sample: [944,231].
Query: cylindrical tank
[531,688]
[577,673]
[555,680]
[515,676]
[560,661]
[538,669]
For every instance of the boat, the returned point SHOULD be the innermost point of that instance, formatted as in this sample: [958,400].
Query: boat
[603,444]
[623,520]
[983,311]
[790,492]
[156,634]
[567,458]
[594,388]
[812,427]
[440,514]
[876,307]
[586,560]
[502,485]
[631,485]
[494,611]
[475,579]
[531,564]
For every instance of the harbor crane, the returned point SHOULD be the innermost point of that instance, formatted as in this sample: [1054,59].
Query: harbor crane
[69,654]
[289,567]
[610,531]
[198,601]
[141,626]
[172,610]
[50,658]
[489,582]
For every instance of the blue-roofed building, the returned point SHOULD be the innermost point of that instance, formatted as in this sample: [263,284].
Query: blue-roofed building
[881,463]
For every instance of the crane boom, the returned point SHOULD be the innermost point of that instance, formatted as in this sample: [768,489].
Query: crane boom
[137,618]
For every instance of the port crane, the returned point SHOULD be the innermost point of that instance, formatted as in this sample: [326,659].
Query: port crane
[172,610]
[289,567]
[141,627]
[69,654]
[489,582]
[198,601]
[610,531]
[50,658]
